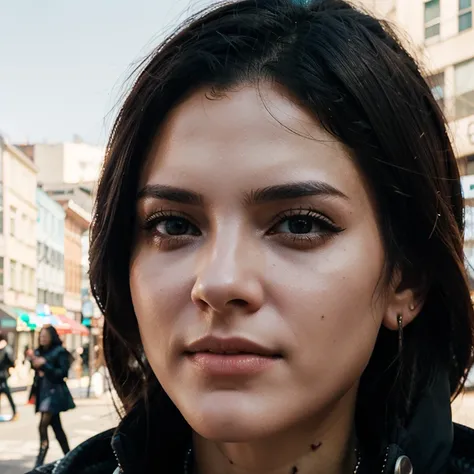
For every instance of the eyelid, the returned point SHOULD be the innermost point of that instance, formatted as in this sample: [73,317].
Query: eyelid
[306,212]
[151,219]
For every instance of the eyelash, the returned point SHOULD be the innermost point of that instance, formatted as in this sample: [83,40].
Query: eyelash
[317,216]
[329,228]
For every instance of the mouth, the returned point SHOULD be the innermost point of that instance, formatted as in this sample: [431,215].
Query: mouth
[230,346]
[231,356]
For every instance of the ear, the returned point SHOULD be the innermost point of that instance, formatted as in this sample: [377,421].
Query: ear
[401,301]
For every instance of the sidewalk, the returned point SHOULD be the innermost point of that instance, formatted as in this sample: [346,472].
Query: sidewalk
[19,440]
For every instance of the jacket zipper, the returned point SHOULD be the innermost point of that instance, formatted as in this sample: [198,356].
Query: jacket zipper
[386,459]
[118,462]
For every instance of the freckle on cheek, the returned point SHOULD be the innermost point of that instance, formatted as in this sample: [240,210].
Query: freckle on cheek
[322,316]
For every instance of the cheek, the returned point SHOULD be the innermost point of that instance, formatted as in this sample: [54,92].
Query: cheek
[159,293]
[329,302]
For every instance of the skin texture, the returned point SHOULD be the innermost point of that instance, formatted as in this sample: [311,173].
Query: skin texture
[239,269]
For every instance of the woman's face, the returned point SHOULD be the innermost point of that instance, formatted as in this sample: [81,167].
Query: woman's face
[44,338]
[256,268]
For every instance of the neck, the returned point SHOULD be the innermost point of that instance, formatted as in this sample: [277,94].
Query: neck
[322,444]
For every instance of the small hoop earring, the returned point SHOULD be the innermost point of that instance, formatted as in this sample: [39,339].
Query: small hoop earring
[400,333]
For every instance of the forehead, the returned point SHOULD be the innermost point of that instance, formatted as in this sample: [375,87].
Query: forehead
[246,138]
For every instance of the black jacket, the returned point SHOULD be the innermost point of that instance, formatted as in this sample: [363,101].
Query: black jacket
[6,362]
[50,391]
[433,444]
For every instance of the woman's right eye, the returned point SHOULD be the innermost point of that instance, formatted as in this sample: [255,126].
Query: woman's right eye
[171,226]
[176,226]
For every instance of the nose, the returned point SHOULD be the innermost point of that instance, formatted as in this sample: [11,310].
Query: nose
[229,277]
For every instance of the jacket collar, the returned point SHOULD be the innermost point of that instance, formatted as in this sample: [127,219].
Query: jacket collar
[427,440]
[159,433]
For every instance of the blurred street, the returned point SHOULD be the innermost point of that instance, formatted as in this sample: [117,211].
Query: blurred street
[19,442]
[463,409]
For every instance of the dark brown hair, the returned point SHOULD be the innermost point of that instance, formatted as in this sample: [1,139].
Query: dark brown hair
[350,72]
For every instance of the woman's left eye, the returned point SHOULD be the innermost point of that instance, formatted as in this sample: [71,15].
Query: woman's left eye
[298,225]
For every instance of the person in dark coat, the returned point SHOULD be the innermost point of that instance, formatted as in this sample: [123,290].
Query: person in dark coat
[49,392]
[277,249]
[6,363]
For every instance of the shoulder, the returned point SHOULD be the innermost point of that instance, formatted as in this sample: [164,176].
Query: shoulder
[462,458]
[94,455]
[58,352]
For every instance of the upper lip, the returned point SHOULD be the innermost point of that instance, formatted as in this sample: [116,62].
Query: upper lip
[231,345]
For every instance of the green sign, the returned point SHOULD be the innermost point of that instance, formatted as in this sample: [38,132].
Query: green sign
[25,317]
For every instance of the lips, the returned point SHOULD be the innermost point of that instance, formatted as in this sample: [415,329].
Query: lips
[230,346]
[232,357]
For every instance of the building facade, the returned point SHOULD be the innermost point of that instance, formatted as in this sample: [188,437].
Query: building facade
[18,234]
[66,162]
[440,34]
[76,224]
[50,250]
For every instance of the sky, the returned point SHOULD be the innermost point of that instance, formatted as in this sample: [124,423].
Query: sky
[64,64]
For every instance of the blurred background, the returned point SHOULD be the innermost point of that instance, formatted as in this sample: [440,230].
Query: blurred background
[64,69]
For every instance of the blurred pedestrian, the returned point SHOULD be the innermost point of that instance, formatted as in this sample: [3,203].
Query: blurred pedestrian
[85,359]
[7,362]
[49,393]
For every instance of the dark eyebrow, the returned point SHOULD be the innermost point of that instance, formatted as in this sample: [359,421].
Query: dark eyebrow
[169,193]
[292,191]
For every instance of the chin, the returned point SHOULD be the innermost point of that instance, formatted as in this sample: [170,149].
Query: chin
[230,419]
[226,429]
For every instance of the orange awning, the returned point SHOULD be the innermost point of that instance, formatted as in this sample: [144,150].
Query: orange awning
[69,325]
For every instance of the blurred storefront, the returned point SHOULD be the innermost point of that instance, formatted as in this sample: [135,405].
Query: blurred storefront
[71,331]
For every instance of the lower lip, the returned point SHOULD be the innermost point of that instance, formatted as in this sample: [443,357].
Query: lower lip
[231,364]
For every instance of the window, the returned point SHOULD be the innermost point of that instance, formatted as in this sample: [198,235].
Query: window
[12,221]
[1,208]
[465,15]
[1,271]
[436,83]
[464,85]
[13,284]
[24,279]
[32,281]
[41,297]
[24,227]
[432,19]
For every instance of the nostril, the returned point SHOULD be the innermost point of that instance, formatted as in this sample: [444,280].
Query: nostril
[201,304]
[238,302]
